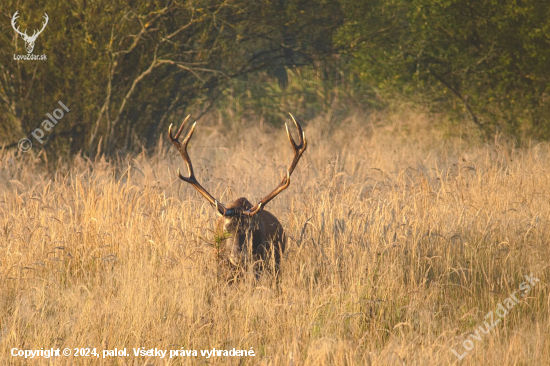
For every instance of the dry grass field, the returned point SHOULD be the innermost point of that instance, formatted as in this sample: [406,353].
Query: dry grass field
[402,239]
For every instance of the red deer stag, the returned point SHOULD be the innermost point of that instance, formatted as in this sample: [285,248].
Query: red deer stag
[243,222]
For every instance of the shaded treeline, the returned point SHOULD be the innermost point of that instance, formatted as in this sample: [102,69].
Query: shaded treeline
[127,69]
[485,59]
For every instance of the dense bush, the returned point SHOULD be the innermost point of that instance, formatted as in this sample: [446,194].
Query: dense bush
[486,58]
[127,69]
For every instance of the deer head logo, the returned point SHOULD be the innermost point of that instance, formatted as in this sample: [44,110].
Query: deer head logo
[29,40]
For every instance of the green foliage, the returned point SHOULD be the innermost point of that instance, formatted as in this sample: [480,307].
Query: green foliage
[308,92]
[487,58]
[127,69]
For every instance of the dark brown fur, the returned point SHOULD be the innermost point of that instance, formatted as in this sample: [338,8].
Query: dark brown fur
[261,235]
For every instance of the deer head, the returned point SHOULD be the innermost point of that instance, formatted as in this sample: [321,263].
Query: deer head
[251,229]
[29,40]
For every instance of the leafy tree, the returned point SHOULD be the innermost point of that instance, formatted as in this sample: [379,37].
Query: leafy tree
[485,57]
[126,69]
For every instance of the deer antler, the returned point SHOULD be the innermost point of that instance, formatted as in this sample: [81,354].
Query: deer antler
[15,16]
[298,151]
[182,147]
[24,35]
[35,35]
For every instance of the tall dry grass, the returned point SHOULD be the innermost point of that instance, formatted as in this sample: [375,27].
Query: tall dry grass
[400,242]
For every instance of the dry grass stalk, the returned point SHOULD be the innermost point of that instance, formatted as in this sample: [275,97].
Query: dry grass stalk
[400,243]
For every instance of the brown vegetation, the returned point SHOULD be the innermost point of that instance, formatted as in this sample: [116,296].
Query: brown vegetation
[400,242]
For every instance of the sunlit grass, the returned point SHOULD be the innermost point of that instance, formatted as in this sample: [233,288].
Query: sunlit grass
[400,242]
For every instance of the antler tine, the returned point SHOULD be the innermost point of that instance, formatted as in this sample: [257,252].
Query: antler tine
[13,19]
[46,18]
[182,148]
[179,131]
[183,151]
[298,151]
[37,32]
